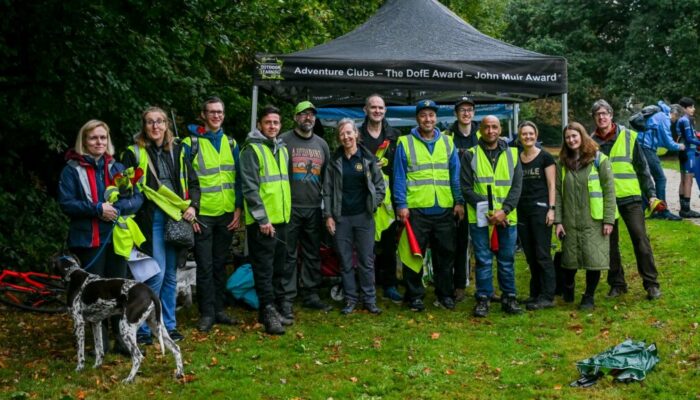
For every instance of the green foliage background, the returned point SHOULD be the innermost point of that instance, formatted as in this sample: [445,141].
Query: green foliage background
[63,63]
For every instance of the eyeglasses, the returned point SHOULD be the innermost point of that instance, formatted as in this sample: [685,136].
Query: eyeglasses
[307,114]
[155,122]
[465,110]
[601,114]
[215,112]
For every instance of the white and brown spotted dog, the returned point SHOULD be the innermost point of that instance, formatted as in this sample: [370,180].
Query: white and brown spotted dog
[91,299]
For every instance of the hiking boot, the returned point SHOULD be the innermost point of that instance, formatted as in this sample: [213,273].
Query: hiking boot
[616,291]
[689,214]
[286,311]
[445,302]
[460,295]
[269,318]
[481,309]
[222,318]
[349,308]
[587,303]
[509,305]
[316,304]
[416,305]
[205,323]
[373,309]
[653,293]
[391,293]
[539,304]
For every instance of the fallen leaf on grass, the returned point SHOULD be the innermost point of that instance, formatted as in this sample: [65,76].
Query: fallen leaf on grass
[80,395]
[435,335]
[694,325]
[283,381]
[300,335]
[576,328]
[353,379]
[426,370]
[449,372]
[604,332]
[214,361]
[557,387]
[297,366]
[539,372]
[187,378]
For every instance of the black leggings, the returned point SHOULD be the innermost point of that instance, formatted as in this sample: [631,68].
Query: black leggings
[592,279]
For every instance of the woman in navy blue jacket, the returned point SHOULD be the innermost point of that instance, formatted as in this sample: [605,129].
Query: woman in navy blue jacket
[91,168]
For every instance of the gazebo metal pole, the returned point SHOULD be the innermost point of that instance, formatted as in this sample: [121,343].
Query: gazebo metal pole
[564,110]
[254,108]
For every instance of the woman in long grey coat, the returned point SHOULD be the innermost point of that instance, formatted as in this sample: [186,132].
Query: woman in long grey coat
[585,210]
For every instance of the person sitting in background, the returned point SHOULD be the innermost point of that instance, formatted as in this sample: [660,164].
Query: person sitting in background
[353,189]
[583,227]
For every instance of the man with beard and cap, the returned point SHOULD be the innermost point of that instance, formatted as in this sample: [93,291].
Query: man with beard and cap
[308,155]
[426,191]
[268,205]
[492,163]
[380,138]
[632,175]
[465,134]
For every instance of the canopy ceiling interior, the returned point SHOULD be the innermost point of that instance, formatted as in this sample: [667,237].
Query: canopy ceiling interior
[408,51]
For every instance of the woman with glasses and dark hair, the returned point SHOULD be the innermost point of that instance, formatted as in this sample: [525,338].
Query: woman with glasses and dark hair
[585,211]
[353,189]
[159,156]
[536,215]
[81,194]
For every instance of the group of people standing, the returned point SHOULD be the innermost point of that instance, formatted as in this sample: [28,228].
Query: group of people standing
[286,187]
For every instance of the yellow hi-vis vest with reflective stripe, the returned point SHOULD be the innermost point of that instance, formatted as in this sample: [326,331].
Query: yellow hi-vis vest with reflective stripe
[217,174]
[427,175]
[626,182]
[500,179]
[384,216]
[274,188]
[595,190]
[142,162]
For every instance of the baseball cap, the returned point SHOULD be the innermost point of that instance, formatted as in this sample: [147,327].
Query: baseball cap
[423,104]
[303,106]
[464,100]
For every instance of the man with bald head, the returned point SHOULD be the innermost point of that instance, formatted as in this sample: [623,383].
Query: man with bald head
[491,164]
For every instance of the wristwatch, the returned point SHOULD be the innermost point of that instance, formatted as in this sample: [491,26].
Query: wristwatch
[552,208]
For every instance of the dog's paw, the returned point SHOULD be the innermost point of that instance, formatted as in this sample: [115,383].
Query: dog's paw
[79,367]
[128,380]
[179,375]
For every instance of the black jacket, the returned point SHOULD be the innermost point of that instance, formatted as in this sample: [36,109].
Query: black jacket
[333,183]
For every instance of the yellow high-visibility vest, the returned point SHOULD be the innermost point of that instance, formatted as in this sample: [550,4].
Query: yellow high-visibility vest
[427,175]
[274,188]
[500,179]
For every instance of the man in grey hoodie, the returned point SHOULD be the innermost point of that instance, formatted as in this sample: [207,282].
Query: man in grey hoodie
[268,204]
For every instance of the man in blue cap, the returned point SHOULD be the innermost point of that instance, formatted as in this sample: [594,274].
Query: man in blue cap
[426,190]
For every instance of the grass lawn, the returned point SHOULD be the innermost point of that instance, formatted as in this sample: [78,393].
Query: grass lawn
[436,354]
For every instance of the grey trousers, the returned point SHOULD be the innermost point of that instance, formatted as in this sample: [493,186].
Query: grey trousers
[356,231]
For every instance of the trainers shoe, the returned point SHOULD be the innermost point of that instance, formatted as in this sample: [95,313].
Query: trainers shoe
[316,304]
[373,309]
[445,302]
[175,335]
[348,309]
[270,320]
[144,338]
[689,214]
[509,304]
[391,293]
[416,305]
[669,216]
[460,295]
[616,291]
[481,309]
[205,323]
[653,293]
[283,320]
[587,303]
[539,304]
[286,311]
[222,318]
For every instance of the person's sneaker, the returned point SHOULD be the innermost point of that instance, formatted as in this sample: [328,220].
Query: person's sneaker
[205,323]
[509,305]
[348,309]
[653,293]
[222,318]
[270,321]
[144,338]
[416,305]
[175,335]
[587,303]
[481,308]
[539,304]
[286,311]
[283,320]
[445,302]
[460,295]
[616,291]
[316,304]
[689,214]
[372,308]
[391,293]
[669,216]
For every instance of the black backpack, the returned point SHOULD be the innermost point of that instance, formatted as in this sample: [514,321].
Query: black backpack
[638,121]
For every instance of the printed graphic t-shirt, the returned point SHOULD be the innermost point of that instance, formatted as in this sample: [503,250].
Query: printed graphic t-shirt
[307,163]
[534,192]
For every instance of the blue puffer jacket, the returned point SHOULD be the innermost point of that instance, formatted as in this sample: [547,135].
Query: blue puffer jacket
[657,133]
[86,229]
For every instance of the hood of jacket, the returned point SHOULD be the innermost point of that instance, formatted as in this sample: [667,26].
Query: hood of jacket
[85,160]
[255,136]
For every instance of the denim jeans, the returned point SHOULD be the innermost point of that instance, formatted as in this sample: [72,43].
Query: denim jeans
[505,259]
[657,172]
[164,284]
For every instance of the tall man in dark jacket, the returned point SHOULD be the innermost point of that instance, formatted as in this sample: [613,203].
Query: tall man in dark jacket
[631,177]
[380,138]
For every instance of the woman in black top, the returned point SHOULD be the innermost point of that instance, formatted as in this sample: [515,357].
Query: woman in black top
[536,215]
[353,189]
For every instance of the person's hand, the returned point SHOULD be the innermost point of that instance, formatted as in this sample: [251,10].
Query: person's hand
[236,220]
[189,214]
[402,214]
[681,146]
[109,213]
[330,225]
[459,211]
[267,229]
[560,231]
[607,229]
[549,220]
[196,228]
[498,218]
[382,162]
[651,202]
